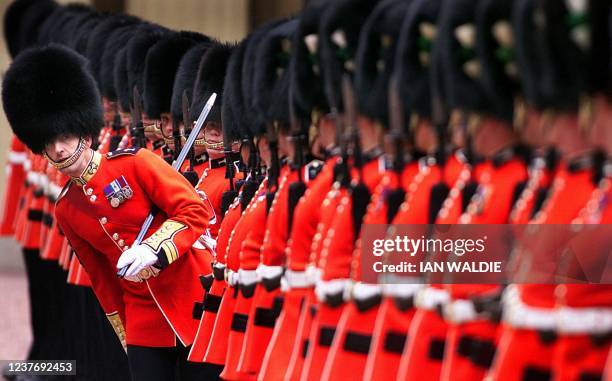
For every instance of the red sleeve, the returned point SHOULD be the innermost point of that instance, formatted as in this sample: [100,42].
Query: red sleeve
[171,193]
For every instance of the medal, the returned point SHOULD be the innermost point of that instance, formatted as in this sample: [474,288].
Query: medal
[118,191]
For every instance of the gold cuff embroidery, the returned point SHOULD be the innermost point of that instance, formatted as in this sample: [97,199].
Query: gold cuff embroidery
[162,239]
[117,325]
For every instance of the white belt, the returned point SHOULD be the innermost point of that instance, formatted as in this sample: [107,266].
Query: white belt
[584,320]
[298,279]
[314,274]
[269,272]
[429,298]
[364,291]
[15,157]
[54,191]
[460,311]
[331,287]
[33,178]
[519,315]
[232,278]
[27,165]
[403,290]
[248,277]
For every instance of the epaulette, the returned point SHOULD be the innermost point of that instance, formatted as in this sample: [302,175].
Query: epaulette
[122,152]
[63,191]
[312,170]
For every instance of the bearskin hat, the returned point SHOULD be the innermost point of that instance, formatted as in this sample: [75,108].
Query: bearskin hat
[136,54]
[375,58]
[186,77]
[161,64]
[210,77]
[48,92]
[232,107]
[22,21]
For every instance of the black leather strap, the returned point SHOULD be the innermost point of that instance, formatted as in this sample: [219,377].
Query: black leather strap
[366,304]
[590,376]
[206,281]
[265,317]
[271,284]
[239,322]
[480,352]
[394,342]
[35,215]
[211,303]
[47,219]
[335,300]
[248,290]
[403,304]
[218,273]
[197,310]
[531,373]
[326,336]
[436,349]
[305,345]
[357,343]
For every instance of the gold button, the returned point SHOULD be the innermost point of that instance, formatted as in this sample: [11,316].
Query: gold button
[92,198]
[121,243]
[89,191]
[103,220]
[115,236]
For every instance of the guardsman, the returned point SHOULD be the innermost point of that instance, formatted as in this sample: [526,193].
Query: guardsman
[274,105]
[136,55]
[584,311]
[474,88]
[530,330]
[233,228]
[338,41]
[156,296]
[374,63]
[308,103]
[160,68]
[211,73]
[214,284]
[417,194]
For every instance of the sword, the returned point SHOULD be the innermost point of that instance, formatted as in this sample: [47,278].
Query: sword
[177,166]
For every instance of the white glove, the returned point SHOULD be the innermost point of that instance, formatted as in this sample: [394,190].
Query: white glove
[138,257]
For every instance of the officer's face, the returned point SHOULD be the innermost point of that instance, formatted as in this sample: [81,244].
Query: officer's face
[64,147]
[425,137]
[533,131]
[213,133]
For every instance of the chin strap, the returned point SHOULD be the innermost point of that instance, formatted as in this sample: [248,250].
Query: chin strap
[70,160]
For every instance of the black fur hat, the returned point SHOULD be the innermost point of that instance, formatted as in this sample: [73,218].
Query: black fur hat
[29,24]
[566,50]
[136,55]
[63,30]
[455,47]
[21,21]
[306,82]
[161,64]
[235,123]
[495,49]
[98,38]
[83,30]
[210,76]
[375,58]
[600,62]
[116,40]
[48,92]
[271,73]
[528,50]
[338,39]
[186,77]
[257,121]
[413,64]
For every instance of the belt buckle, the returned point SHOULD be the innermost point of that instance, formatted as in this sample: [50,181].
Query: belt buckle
[147,273]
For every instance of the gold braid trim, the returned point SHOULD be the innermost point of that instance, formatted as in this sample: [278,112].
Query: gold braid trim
[117,325]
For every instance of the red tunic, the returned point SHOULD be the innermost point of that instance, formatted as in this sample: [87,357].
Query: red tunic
[159,309]
[14,183]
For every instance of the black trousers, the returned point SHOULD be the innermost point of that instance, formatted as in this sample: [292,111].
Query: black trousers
[168,364]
